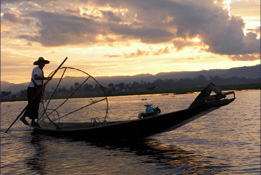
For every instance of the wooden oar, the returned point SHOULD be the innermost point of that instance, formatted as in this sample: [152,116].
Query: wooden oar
[35,96]
[58,67]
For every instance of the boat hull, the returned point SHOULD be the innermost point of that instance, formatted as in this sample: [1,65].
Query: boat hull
[139,128]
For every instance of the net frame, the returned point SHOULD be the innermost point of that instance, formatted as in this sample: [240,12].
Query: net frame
[45,111]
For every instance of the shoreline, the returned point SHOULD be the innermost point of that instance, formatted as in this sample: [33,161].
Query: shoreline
[167,91]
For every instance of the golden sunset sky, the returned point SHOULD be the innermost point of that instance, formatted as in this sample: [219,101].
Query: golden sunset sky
[128,37]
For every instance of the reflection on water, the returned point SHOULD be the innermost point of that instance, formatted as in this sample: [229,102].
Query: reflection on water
[225,141]
[147,156]
[37,162]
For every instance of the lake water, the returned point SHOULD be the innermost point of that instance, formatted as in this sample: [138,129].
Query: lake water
[225,141]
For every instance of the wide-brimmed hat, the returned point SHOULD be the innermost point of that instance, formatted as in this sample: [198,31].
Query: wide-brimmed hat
[41,59]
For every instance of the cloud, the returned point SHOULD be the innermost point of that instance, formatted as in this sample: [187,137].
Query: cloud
[11,17]
[246,57]
[150,22]
[252,44]
[110,16]
[112,56]
[255,30]
[225,38]
[162,51]
[139,53]
[144,34]
[10,20]
[136,54]
[58,29]
[180,44]
[187,19]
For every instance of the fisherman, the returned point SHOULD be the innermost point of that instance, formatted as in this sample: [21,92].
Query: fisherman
[34,91]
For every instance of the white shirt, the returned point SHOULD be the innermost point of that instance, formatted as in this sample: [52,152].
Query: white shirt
[39,72]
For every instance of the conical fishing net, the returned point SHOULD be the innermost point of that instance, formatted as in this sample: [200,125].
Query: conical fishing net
[72,96]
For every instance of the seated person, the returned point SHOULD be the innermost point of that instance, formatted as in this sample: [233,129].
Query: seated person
[150,111]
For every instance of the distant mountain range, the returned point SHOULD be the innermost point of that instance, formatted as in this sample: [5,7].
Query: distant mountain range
[246,72]
[241,72]
[11,87]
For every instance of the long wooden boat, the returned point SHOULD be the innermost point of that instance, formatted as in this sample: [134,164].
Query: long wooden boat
[143,127]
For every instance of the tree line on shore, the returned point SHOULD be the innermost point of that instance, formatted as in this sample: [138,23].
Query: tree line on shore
[143,87]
